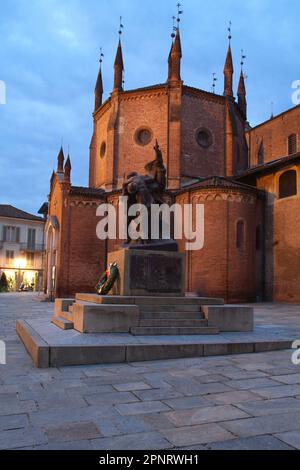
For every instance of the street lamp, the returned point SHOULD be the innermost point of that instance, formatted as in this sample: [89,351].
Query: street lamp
[19,263]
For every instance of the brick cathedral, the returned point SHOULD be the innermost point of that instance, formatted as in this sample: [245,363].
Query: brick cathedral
[247,178]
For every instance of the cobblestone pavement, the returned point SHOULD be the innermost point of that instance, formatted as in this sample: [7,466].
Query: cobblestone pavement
[247,401]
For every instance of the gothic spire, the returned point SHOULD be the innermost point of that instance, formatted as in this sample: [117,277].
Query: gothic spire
[170,63]
[67,170]
[228,73]
[119,64]
[99,86]
[175,59]
[242,102]
[228,68]
[60,161]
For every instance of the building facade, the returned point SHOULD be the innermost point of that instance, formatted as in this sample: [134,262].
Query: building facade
[21,248]
[246,178]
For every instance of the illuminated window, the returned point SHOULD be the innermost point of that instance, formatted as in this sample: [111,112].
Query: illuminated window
[10,255]
[30,259]
[288,184]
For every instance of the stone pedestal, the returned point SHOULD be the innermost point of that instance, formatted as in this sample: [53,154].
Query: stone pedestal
[149,273]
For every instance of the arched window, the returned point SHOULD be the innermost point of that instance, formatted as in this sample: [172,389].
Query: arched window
[261,154]
[288,184]
[240,234]
[292,144]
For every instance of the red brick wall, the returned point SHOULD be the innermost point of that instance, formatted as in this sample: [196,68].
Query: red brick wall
[200,112]
[220,269]
[123,154]
[274,134]
[82,253]
[150,111]
[98,163]
[282,240]
[286,286]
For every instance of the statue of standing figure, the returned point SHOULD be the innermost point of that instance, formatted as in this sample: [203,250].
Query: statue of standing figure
[147,190]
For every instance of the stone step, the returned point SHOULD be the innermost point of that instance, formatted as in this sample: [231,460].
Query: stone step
[195,308]
[62,323]
[148,300]
[67,316]
[161,331]
[173,322]
[153,315]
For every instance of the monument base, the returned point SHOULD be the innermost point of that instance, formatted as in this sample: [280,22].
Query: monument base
[154,316]
[148,272]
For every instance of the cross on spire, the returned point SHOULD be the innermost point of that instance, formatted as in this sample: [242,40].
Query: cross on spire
[214,80]
[119,65]
[229,32]
[174,29]
[243,57]
[179,13]
[101,56]
[121,27]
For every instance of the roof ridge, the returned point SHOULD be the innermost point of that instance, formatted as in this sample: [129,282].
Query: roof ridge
[10,211]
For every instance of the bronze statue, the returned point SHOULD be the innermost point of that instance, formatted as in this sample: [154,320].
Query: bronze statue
[147,190]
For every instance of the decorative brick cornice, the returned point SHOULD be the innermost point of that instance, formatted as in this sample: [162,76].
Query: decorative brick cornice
[142,95]
[207,96]
[103,109]
[228,195]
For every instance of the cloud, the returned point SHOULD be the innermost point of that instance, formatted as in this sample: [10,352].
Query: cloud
[49,61]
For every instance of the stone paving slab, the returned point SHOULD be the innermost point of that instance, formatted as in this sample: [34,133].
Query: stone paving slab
[69,347]
[73,432]
[140,441]
[209,414]
[192,435]
[292,438]
[271,424]
[80,407]
[251,443]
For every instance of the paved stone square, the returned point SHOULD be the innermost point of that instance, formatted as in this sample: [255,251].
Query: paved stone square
[249,401]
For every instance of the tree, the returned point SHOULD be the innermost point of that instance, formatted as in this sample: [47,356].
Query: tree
[4,287]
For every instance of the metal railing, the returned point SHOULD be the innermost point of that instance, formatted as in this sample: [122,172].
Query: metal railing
[32,247]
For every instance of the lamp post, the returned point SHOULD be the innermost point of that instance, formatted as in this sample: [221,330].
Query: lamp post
[20,263]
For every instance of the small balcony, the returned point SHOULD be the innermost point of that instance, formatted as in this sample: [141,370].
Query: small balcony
[32,247]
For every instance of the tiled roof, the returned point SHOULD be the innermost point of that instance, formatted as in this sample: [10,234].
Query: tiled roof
[83,191]
[218,182]
[44,208]
[146,88]
[7,210]
[270,166]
